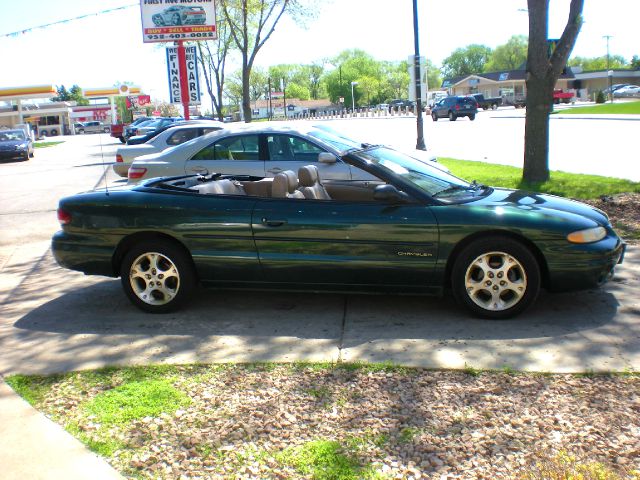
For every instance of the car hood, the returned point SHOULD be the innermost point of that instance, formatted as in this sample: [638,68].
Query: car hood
[542,204]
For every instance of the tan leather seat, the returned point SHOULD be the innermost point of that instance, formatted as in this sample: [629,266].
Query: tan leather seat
[221,187]
[285,185]
[310,185]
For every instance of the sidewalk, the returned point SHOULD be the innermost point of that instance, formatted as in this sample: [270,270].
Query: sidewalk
[33,447]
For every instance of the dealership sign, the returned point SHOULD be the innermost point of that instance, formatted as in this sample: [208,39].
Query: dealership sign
[173,20]
[192,75]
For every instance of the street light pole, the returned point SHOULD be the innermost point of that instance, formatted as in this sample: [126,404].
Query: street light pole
[420,145]
[353,100]
[609,72]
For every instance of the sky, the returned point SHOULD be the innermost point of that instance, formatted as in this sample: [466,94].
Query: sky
[106,49]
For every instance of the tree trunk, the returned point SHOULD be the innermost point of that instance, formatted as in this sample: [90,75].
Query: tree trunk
[543,69]
[246,94]
[536,136]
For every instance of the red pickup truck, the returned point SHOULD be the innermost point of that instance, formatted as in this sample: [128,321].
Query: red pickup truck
[560,96]
[117,131]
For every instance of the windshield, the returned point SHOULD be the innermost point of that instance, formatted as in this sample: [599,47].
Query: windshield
[334,139]
[433,181]
[11,135]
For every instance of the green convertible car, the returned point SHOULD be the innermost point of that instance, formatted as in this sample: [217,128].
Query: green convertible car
[409,229]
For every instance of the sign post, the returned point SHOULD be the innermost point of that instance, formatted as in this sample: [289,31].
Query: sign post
[168,21]
[184,84]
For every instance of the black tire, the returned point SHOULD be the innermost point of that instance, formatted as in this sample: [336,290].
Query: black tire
[174,276]
[122,139]
[106,129]
[54,132]
[452,117]
[32,154]
[498,292]
[494,106]
[472,117]
[434,117]
[81,131]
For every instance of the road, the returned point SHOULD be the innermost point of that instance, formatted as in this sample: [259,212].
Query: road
[55,320]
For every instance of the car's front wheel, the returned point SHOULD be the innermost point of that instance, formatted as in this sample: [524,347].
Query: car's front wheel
[434,117]
[452,117]
[157,276]
[496,278]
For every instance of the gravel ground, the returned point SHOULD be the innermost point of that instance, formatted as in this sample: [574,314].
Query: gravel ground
[395,423]
[624,212]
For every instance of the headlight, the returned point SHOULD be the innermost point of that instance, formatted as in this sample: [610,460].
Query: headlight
[22,146]
[589,235]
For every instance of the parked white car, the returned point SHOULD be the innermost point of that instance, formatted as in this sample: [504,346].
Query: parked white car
[259,150]
[627,91]
[168,138]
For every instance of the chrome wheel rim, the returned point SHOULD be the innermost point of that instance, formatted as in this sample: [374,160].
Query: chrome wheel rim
[154,278]
[495,281]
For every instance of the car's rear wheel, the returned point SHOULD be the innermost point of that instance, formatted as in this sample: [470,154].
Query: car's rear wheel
[452,117]
[472,117]
[494,106]
[434,117]
[106,130]
[496,278]
[157,276]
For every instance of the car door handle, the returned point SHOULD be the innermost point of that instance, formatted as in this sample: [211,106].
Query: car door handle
[275,170]
[273,223]
[200,170]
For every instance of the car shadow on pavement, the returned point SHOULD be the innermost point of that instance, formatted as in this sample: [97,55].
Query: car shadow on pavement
[102,308]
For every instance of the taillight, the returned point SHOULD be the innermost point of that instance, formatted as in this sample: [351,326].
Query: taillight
[119,158]
[136,172]
[457,107]
[64,217]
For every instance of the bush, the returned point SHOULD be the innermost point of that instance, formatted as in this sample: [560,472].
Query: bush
[600,98]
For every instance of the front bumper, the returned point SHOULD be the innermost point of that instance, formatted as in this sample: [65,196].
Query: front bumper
[13,154]
[586,266]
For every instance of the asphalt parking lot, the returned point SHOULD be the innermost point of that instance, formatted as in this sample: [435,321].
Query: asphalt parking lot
[54,320]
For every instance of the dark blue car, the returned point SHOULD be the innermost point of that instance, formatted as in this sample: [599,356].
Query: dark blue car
[454,107]
[14,144]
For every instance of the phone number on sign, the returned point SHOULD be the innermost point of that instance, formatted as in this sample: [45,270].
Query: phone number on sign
[179,36]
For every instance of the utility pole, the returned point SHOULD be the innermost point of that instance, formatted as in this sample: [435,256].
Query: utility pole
[609,72]
[418,86]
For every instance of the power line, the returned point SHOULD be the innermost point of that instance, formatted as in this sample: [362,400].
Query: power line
[26,30]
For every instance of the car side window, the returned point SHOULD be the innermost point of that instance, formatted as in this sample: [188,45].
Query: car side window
[182,136]
[289,148]
[243,147]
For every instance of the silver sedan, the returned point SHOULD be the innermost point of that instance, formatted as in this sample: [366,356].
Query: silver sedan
[257,150]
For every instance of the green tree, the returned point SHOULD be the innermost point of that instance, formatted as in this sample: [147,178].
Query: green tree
[509,56]
[589,64]
[252,22]
[434,75]
[466,61]
[213,59]
[635,62]
[542,75]
[74,94]
[351,65]
[295,90]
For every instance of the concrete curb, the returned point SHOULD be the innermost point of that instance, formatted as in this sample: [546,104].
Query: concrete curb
[33,447]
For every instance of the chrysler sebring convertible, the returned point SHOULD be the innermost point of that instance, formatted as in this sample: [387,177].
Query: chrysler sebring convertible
[408,228]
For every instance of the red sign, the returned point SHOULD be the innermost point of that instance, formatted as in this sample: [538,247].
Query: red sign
[137,101]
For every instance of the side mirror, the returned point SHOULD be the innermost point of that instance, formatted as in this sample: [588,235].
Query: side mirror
[389,194]
[326,157]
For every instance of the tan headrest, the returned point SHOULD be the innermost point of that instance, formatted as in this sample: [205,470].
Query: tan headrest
[308,175]
[283,183]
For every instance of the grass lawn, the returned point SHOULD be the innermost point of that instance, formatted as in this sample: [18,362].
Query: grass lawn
[605,108]
[572,185]
[46,144]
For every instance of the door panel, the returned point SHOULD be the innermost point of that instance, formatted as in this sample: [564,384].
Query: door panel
[329,242]
[288,152]
[235,155]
